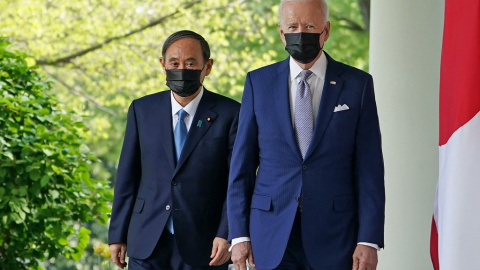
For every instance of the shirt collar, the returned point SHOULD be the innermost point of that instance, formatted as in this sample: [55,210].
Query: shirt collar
[191,107]
[319,68]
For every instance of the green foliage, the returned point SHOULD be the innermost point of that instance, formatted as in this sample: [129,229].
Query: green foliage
[104,54]
[45,184]
[349,38]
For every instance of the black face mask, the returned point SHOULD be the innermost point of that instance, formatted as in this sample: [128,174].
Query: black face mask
[184,82]
[303,47]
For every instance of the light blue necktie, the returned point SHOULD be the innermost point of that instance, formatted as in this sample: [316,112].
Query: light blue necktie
[179,134]
[303,113]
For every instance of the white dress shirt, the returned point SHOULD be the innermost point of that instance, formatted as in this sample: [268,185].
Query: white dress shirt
[315,81]
[191,109]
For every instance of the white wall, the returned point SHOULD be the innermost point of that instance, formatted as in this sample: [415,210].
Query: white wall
[405,46]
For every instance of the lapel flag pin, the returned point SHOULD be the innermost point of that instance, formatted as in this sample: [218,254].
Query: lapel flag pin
[209,119]
[199,124]
[333,82]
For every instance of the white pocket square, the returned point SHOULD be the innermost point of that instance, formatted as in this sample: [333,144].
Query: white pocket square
[339,108]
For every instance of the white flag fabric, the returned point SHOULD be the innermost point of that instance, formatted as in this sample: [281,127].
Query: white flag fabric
[455,237]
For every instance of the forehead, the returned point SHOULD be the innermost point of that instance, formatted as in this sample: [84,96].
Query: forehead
[302,12]
[185,48]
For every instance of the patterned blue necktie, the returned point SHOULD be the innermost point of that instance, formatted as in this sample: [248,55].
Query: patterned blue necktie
[179,133]
[303,113]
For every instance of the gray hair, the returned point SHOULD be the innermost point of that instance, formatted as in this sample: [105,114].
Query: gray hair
[323,4]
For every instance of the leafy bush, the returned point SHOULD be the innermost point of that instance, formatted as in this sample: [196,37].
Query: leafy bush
[45,185]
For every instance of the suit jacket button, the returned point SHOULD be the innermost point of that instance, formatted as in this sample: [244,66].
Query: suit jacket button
[304,167]
[174,183]
[167,207]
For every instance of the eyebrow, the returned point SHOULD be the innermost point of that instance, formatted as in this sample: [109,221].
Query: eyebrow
[193,59]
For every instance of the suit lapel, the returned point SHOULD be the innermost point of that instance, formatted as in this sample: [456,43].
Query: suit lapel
[162,110]
[198,129]
[281,96]
[331,92]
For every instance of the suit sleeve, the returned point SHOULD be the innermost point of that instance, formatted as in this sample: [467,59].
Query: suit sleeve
[223,227]
[369,171]
[127,182]
[243,167]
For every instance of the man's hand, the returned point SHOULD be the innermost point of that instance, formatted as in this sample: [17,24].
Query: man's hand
[365,258]
[220,253]
[117,252]
[240,253]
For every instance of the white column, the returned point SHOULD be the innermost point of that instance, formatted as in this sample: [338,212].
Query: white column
[405,48]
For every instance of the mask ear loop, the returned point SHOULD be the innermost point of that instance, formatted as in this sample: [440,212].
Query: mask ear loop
[321,47]
[202,71]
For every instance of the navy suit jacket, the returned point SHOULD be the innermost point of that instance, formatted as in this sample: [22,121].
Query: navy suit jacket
[151,185]
[341,177]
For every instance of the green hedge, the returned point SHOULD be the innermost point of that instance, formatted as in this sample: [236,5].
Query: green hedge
[45,187]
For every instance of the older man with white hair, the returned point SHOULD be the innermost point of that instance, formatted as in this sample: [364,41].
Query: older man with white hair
[306,187]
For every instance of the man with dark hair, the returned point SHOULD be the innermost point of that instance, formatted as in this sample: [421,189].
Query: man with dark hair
[306,186]
[187,34]
[169,207]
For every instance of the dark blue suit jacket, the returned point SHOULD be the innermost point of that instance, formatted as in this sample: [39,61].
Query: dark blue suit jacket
[342,176]
[151,185]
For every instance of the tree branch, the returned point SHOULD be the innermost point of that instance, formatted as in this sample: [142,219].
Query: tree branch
[139,56]
[80,93]
[69,58]
[350,24]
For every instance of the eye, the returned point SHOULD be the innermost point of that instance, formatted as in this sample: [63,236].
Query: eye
[292,27]
[310,27]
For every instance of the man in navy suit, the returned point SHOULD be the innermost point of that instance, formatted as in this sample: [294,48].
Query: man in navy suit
[169,207]
[306,188]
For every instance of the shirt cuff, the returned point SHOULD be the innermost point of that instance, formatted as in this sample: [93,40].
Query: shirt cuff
[237,241]
[375,246]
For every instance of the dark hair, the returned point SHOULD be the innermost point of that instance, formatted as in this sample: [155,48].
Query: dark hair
[187,34]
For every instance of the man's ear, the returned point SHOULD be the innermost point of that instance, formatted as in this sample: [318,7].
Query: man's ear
[282,34]
[163,64]
[208,66]
[327,30]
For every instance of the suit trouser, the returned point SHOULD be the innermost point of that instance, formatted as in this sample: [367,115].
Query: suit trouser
[294,257]
[165,256]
